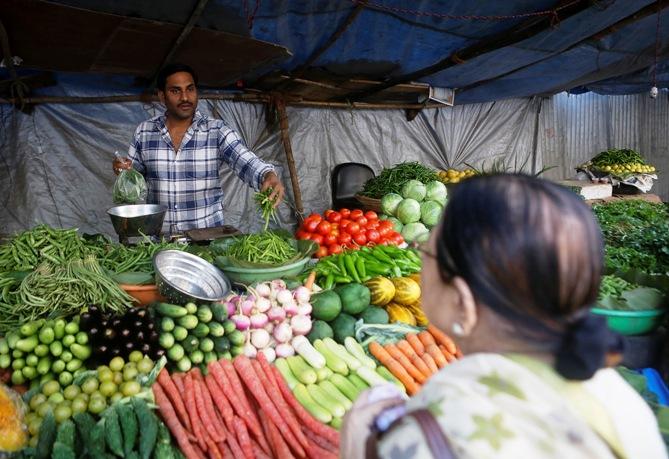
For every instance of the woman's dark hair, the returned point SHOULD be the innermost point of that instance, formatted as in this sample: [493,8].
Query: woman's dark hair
[171,69]
[529,249]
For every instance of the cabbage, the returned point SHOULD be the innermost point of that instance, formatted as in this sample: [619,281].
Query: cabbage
[390,202]
[397,225]
[413,231]
[413,189]
[408,211]
[430,212]
[436,191]
[129,188]
[423,237]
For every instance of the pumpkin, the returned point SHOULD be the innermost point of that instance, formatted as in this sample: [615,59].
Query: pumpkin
[399,313]
[382,290]
[13,435]
[407,291]
[417,311]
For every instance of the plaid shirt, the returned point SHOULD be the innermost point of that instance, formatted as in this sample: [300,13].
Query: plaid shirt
[188,181]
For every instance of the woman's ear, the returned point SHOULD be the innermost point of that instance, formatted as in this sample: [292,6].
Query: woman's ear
[467,315]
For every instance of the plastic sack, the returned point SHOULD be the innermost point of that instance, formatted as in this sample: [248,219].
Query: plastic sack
[13,432]
[129,188]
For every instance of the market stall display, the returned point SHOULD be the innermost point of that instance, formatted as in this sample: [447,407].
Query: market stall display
[620,167]
[450,176]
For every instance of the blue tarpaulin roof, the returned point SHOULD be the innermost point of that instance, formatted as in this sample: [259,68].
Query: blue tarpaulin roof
[391,38]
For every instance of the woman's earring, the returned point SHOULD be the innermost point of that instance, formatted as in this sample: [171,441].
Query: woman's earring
[457,329]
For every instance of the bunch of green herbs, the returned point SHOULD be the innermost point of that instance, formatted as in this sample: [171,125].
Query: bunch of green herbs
[391,180]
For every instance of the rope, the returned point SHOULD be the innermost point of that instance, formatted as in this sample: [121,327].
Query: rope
[467,17]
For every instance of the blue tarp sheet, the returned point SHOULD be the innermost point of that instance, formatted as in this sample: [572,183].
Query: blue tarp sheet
[395,37]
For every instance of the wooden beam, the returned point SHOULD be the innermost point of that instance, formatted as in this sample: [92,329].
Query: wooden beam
[194,16]
[285,139]
[526,29]
[642,13]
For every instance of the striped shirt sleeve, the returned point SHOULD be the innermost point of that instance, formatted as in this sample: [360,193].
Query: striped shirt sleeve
[248,167]
[135,151]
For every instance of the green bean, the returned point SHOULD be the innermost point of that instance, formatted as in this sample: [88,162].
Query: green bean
[266,247]
[266,206]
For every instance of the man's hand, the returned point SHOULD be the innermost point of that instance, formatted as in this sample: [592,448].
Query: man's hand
[121,163]
[271,180]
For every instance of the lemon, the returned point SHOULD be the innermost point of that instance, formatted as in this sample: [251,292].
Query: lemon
[455,180]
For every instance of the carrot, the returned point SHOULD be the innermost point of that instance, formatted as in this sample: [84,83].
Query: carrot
[244,439]
[449,357]
[235,449]
[178,381]
[259,453]
[394,367]
[396,354]
[302,414]
[415,343]
[458,354]
[437,355]
[281,449]
[174,395]
[192,412]
[212,449]
[225,450]
[431,364]
[442,338]
[316,452]
[204,409]
[264,370]
[235,395]
[172,422]
[320,441]
[199,452]
[253,382]
[250,413]
[210,407]
[426,338]
[310,280]
[414,358]
[220,400]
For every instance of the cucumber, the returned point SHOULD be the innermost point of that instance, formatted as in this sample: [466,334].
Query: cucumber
[201,330]
[184,364]
[5,361]
[59,328]
[189,321]
[229,326]
[332,361]
[12,338]
[180,333]
[31,328]
[216,330]
[167,324]
[4,347]
[73,365]
[190,344]
[282,365]
[171,310]
[357,381]
[236,350]
[27,344]
[71,328]
[68,340]
[370,376]
[17,354]
[191,307]
[166,340]
[236,338]
[303,372]
[341,352]
[204,314]
[220,312]
[336,423]
[332,391]
[356,350]
[32,360]
[47,335]
[324,374]
[196,357]
[325,400]
[80,352]
[56,348]
[345,386]
[210,357]
[388,376]
[221,344]
[302,395]
[175,353]
[206,345]
[304,348]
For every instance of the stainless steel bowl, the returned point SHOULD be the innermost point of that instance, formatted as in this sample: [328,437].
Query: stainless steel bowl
[182,277]
[137,219]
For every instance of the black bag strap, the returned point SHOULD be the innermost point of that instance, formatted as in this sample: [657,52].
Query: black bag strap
[437,442]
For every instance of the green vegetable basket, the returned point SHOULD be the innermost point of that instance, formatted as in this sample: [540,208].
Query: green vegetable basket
[632,322]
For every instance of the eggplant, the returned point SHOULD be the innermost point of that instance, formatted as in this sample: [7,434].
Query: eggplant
[109,333]
[93,332]
[104,323]
[116,323]
[140,336]
[85,320]
[125,333]
[102,349]
[146,348]
[150,326]
[159,352]
[132,311]
[129,346]
[141,313]
[115,351]
[138,325]
[153,336]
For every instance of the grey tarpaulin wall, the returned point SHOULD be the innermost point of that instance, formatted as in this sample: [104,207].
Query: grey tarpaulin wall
[55,163]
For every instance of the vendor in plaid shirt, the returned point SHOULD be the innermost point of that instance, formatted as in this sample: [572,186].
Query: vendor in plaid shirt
[181,155]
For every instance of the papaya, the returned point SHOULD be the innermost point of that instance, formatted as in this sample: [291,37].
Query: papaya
[381,289]
[407,291]
[399,313]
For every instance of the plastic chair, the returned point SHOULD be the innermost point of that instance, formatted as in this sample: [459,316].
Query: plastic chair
[346,180]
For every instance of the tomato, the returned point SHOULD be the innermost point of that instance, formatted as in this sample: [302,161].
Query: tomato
[373,224]
[396,238]
[384,231]
[386,224]
[302,234]
[373,235]
[344,222]
[327,212]
[310,225]
[330,239]
[344,212]
[334,226]
[353,229]
[371,215]
[317,238]
[356,214]
[322,252]
[333,217]
[344,239]
[360,238]
[362,221]
[335,249]
[323,228]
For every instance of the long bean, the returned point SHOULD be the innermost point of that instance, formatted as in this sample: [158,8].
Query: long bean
[266,206]
[265,247]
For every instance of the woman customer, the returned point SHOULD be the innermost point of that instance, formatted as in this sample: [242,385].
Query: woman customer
[510,274]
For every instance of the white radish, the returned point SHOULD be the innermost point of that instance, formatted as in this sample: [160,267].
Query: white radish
[301,325]
[304,309]
[290,308]
[283,332]
[250,351]
[263,290]
[284,297]
[302,295]
[263,304]
[276,314]
[241,322]
[284,350]
[270,354]
[258,320]
[260,338]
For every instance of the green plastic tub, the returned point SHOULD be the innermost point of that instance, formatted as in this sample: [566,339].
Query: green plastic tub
[248,276]
[632,322]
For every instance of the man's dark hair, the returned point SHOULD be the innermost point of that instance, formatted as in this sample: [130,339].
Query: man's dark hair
[171,69]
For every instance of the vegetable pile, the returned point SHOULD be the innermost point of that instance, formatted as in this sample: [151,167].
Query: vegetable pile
[392,180]
[266,248]
[400,297]
[44,350]
[129,187]
[337,231]
[416,210]
[455,176]
[241,409]
[618,294]
[619,162]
